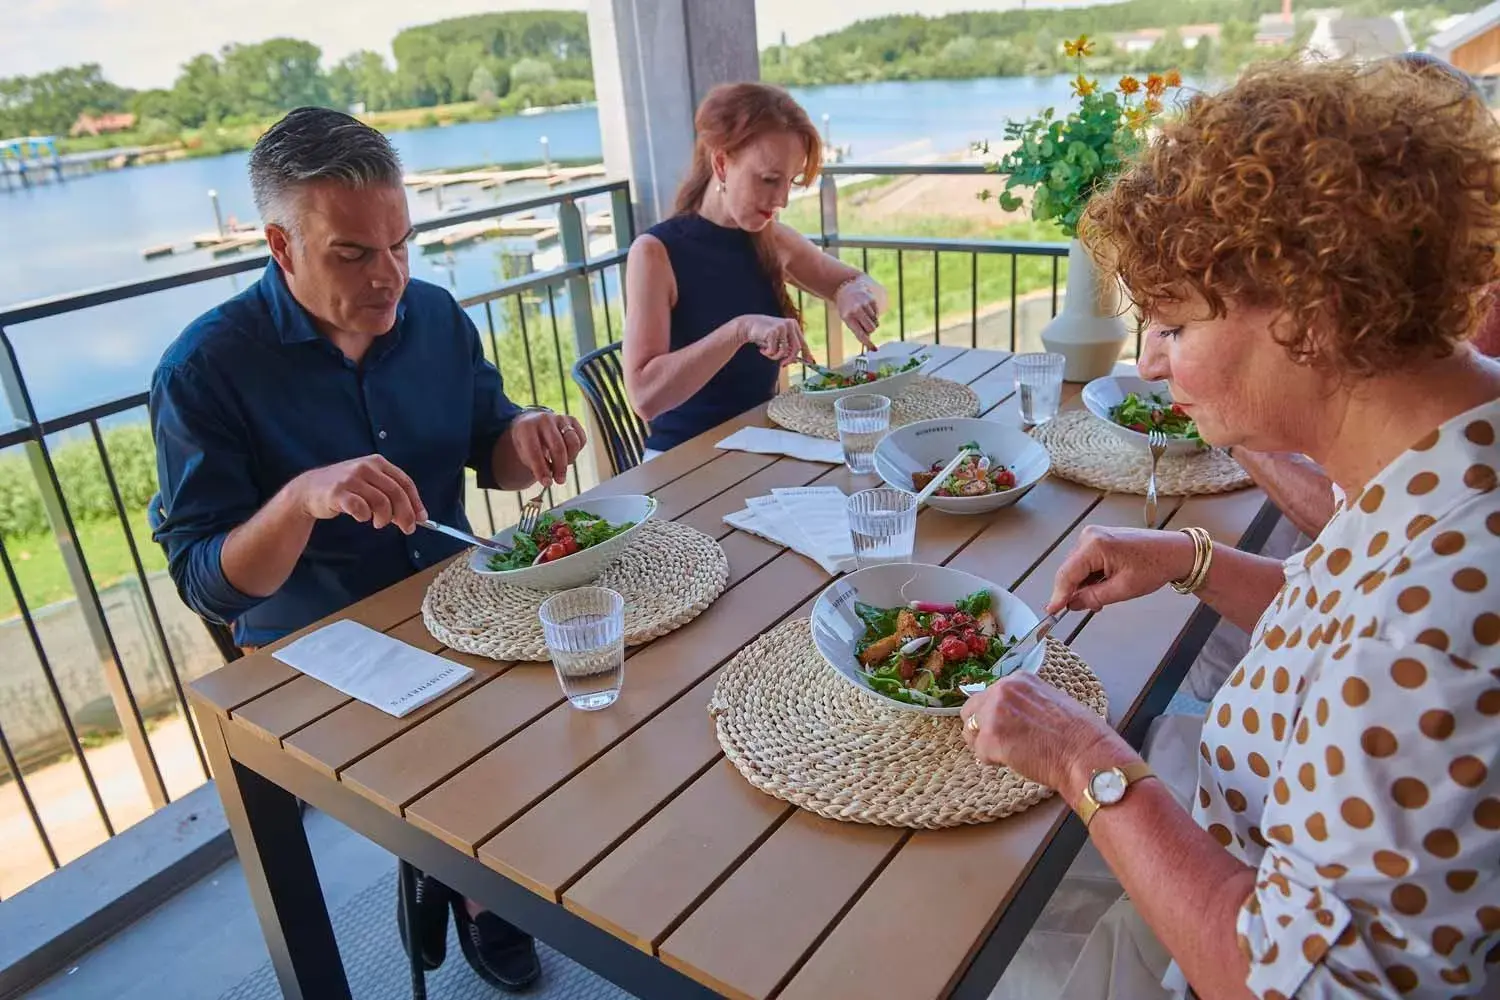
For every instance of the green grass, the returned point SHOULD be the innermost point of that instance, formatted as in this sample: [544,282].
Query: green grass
[44,579]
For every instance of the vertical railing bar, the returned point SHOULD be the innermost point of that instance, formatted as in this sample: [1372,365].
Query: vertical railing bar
[562,380]
[974,299]
[864,254]
[526,348]
[1055,261]
[132,705]
[489,510]
[609,324]
[36,817]
[937,299]
[489,323]
[900,296]
[1015,301]
[53,689]
[140,573]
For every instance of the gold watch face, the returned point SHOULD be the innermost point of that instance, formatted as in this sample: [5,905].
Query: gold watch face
[1107,787]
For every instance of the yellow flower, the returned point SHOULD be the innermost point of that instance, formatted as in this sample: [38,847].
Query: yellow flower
[1152,106]
[1174,78]
[1083,86]
[1136,118]
[1079,48]
[1155,85]
[1129,85]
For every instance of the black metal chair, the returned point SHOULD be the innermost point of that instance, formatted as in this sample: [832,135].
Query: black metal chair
[221,634]
[602,378]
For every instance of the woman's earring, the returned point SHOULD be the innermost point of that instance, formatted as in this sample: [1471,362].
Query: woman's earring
[721,187]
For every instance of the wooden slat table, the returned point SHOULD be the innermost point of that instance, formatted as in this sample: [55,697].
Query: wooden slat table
[623,838]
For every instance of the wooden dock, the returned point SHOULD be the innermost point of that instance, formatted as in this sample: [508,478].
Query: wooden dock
[486,179]
[541,230]
[241,237]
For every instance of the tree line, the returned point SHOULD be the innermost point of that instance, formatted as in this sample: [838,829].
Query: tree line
[1028,41]
[505,61]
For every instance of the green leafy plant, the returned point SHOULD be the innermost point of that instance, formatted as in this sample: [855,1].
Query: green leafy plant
[1063,161]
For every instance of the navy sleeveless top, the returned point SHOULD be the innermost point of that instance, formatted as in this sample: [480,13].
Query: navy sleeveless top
[719,277]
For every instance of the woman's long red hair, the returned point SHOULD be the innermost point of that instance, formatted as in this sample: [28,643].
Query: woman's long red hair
[731,117]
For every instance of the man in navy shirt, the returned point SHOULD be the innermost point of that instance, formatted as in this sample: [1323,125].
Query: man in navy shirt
[305,426]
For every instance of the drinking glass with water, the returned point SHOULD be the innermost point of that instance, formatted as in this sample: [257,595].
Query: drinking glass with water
[1039,379]
[585,630]
[883,523]
[863,420]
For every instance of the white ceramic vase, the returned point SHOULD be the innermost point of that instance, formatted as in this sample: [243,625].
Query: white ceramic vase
[1087,332]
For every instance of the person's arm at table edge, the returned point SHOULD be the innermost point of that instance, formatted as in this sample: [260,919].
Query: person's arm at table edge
[657,378]
[1295,485]
[1187,888]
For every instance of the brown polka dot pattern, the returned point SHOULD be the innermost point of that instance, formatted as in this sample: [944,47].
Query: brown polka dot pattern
[1409,793]
[1357,729]
[1378,741]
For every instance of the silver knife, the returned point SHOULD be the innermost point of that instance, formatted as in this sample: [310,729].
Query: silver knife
[464,536]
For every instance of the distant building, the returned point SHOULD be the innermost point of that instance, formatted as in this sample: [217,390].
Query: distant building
[1362,39]
[1141,41]
[1473,43]
[102,124]
[1276,29]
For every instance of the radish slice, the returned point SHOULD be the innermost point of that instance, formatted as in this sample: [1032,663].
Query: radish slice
[933,607]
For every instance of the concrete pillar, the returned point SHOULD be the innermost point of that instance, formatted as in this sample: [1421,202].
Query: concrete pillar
[654,60]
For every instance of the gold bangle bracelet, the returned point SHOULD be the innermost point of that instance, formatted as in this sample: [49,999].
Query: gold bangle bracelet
[1203,557]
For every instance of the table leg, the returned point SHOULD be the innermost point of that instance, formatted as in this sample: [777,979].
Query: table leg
[267,827]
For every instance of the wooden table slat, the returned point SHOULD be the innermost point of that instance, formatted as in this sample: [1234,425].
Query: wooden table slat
[788,472]
[797,882]
[700,835]
[541,850]
[305,699]
[338,739]
[969,366]
[244,680]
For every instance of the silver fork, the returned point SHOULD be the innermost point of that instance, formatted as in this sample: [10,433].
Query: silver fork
[861,366]
[1157,442]
[531,514]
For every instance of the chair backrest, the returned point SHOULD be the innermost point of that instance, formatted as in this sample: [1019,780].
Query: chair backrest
[222,635]
[602,378]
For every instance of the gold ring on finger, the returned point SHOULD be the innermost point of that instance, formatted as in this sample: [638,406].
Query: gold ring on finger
[973,724]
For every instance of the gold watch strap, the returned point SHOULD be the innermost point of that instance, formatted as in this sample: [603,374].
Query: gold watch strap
[1135,771]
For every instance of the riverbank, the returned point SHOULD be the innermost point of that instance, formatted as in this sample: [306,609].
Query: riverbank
[216,140]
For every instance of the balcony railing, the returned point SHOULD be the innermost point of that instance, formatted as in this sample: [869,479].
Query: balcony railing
[111,658]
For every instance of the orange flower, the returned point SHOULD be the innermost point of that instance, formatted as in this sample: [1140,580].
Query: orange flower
[1174,78]
[1136,118]
[1152,106]
[1155,85]
[1129,85]
[1079,48]
[1083,87]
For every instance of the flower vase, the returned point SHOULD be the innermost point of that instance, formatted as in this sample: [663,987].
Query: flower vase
[1088,332]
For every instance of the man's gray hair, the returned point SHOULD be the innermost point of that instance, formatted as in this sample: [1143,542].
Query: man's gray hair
[317,144]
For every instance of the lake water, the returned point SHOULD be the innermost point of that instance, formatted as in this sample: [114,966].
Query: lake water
[89,231]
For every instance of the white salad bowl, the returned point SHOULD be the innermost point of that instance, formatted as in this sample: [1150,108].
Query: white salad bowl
[583,566]
[1104,394]
[892,386]
[917,447]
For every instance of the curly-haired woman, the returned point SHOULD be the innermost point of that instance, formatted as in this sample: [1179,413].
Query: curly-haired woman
[1311,247]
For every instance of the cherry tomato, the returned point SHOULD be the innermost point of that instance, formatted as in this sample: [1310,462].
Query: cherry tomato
[569,544]
[1178,410]
[954,648]
[1005,479]
[978,644]
[1138,427]
[940,623]
[553,552]
[962,618]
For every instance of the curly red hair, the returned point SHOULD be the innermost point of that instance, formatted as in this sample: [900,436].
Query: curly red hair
[1361,204]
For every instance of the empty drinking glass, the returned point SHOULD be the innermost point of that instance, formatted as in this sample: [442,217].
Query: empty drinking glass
[585,630]
[883,523]
[863,420]
[1039,380]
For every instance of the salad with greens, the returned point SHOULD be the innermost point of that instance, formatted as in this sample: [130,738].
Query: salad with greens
[921,652]
[1152,412]
[556,537]
[976,476]
[828,378]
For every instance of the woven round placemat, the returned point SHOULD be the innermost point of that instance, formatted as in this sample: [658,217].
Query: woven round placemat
[1084,450]
[926,398]
[669,574]
[798,731]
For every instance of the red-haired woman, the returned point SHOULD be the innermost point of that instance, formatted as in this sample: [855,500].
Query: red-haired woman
[710,322]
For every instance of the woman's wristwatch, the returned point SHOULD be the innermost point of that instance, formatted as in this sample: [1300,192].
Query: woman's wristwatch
[1107,786]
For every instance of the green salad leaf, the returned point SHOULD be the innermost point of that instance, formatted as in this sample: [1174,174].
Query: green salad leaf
[976,603]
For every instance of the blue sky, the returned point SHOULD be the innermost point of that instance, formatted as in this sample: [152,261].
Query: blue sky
[140,43]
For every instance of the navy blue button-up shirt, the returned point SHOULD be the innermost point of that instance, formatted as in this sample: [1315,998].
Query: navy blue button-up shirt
[251,396]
